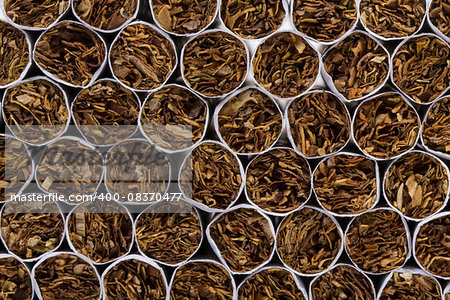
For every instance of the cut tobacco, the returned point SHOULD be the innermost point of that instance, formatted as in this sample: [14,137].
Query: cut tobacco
[35,13]
[404,285]
[346,184]
[421,68]
[357,66]
[319,124]
[71,52]
[174,118]
[324,21]
[285,65]
[394,18]
[436,128]
[211,175]
[184,17]
[278,181]
[250,122]
[142,58]
[377,241]
[244,239]
[308,241]
[106,112]
[386,126]
[253,19]
[15,280]
[134,279]
[66,276]
[439,13]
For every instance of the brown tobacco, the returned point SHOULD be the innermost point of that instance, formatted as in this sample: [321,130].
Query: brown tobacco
[377,242]
[346,184]
[244,239]
[403,285]
[285,65]
[15,280]
[319,124]
[214,63]
[174,118]
[439,14]
[308,241]
[358,66]
[35,13]
[386,126]
[250,122]
[325,21]
[421,68]
[278,181]
[252,19]
[142,58]
[184,17]
[71,52]
[436,127]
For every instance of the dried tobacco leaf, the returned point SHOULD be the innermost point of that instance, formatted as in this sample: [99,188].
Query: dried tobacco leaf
[184,17]
[134,279]
[346,184]
[417,185]
[250,122]
[35,13]
[308,241]
[439,13]
[30,229]
[358,65]
[403,285]
[386,126]
[106,112]
[135,168]
[278,181]
[169,232]
[211,176]
[342,282]
[142,58]
[201,280]
[252,19]
[244,238]
[436,128]
[36,111]
[15,54]
[376,241]
[432,249]
[319,124]
[285,65]
[174,118]
[421,68]
[15,280]
[66,276]
[105,14]
[324,20]
[393,18]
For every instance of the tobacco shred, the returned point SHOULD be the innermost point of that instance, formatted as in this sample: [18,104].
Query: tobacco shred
[308,241]
[436,128]
[394,18]
[253,19]
[250,122]
[322,20]
[278,181]
[211,176]
[342,282]
[67,276]
[214,63]
[439,14]
[106,112]
[358,66]
[15,280]
[386,126]
[403,285]
[376,241]
[184,17]
[35,13]
[201,280]
[421,68]
[319,124]
[285,65]
[244,239]
[142,58]
[346,184]
[15,54]
[432,250]
[174,118]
